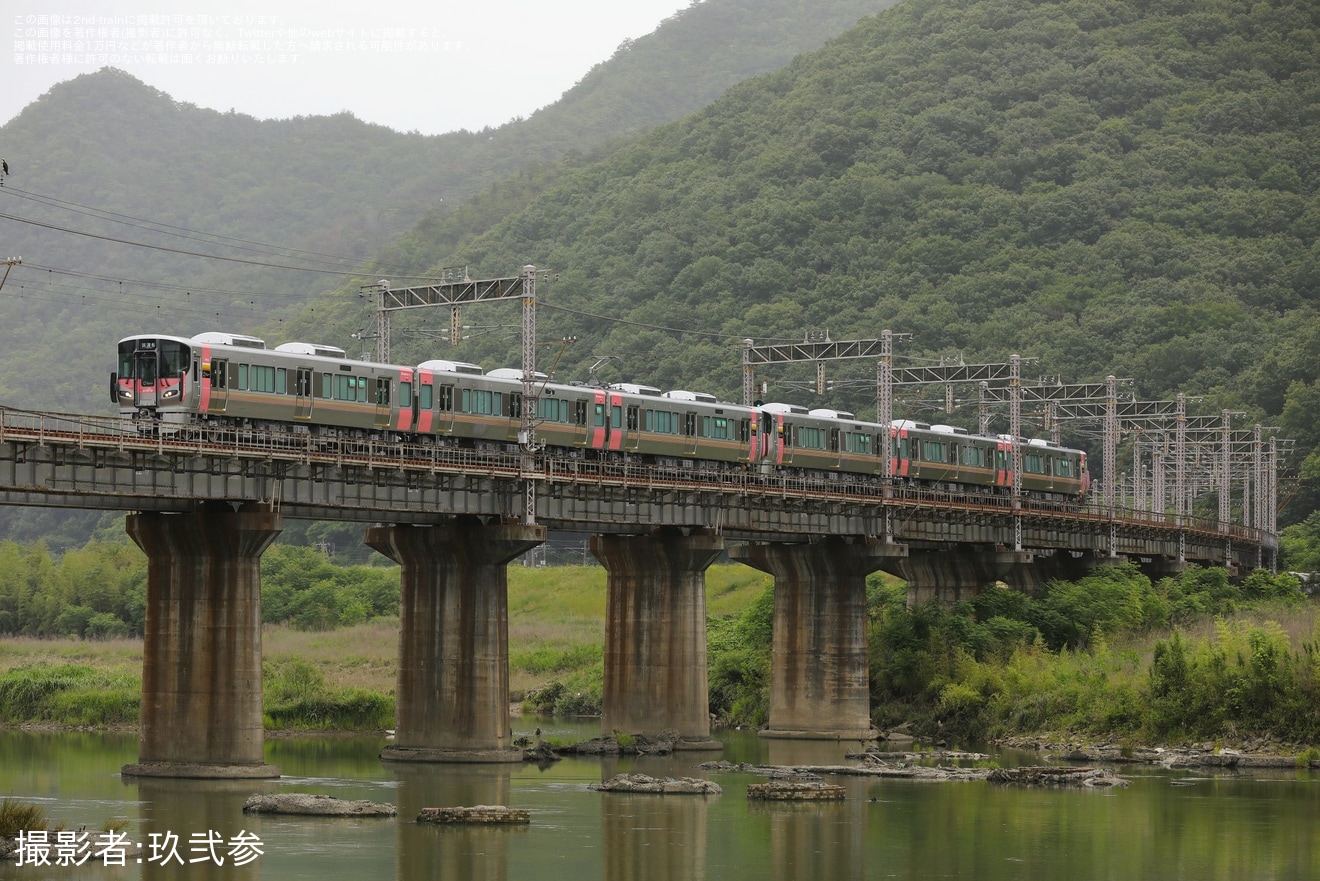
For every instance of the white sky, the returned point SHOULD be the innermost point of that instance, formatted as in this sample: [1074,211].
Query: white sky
[408,64]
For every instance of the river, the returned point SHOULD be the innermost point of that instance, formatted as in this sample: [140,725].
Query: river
[1166,825]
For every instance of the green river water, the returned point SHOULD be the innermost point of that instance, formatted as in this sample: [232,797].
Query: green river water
[1197,826]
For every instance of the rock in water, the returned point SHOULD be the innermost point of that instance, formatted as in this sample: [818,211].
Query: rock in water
[304,804]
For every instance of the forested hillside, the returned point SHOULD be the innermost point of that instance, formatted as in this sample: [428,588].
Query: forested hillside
[1111,187]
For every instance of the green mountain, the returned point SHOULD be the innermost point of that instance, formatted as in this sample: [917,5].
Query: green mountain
[1110,187]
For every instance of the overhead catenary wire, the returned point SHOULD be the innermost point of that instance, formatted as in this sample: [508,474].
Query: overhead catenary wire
[361,273]
[222,239]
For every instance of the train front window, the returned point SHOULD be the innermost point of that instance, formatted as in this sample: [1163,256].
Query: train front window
[148,360]
[175,358]
[126,350]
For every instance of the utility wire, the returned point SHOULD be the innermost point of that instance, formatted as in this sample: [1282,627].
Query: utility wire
[196,235]
[244,260]
[165,286]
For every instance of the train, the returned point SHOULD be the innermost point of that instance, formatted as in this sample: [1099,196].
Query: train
[168,383]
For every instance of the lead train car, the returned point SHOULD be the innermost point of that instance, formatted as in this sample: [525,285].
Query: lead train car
[234,380]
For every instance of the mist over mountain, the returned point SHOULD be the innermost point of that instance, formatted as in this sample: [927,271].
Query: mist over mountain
[295,206]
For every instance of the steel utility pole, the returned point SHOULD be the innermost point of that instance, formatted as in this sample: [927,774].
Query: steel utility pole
[10,263]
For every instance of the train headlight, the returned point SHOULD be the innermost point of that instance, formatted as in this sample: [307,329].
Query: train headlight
[170,393]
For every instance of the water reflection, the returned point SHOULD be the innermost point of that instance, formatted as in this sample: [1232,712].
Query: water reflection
[654,838]
[190,827]
[426,852]
[813,839]
[1168,825]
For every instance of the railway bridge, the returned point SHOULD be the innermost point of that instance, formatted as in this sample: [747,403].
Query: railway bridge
[205,507]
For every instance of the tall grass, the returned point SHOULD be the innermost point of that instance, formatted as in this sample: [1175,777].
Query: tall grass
[17,816]
[297,697]
[70,694]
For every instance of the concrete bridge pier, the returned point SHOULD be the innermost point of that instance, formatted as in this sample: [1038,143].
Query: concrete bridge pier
[655,634]
[951,575]
[819,681]
[453,688]
[201,662]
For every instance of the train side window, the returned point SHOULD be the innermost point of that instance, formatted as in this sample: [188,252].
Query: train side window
[327,387]
[554,410]
[481,402]
[262,379]
[426,397]
[242,377]
[281,381]
[405,394]
[600,416]
[1063,467]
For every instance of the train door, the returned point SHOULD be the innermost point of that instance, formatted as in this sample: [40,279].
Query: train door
[598,425]
[145,376]
[616,421]
[381,396]
[444,405]
[407,401]
[424,401]
[900,452]
[632,422]
[302,393]
[219,397]
[1003,464]
[775,429]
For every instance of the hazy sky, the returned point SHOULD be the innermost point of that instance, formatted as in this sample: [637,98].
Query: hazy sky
[407,64]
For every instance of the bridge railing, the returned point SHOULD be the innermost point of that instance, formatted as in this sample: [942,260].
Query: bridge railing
[367,452]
